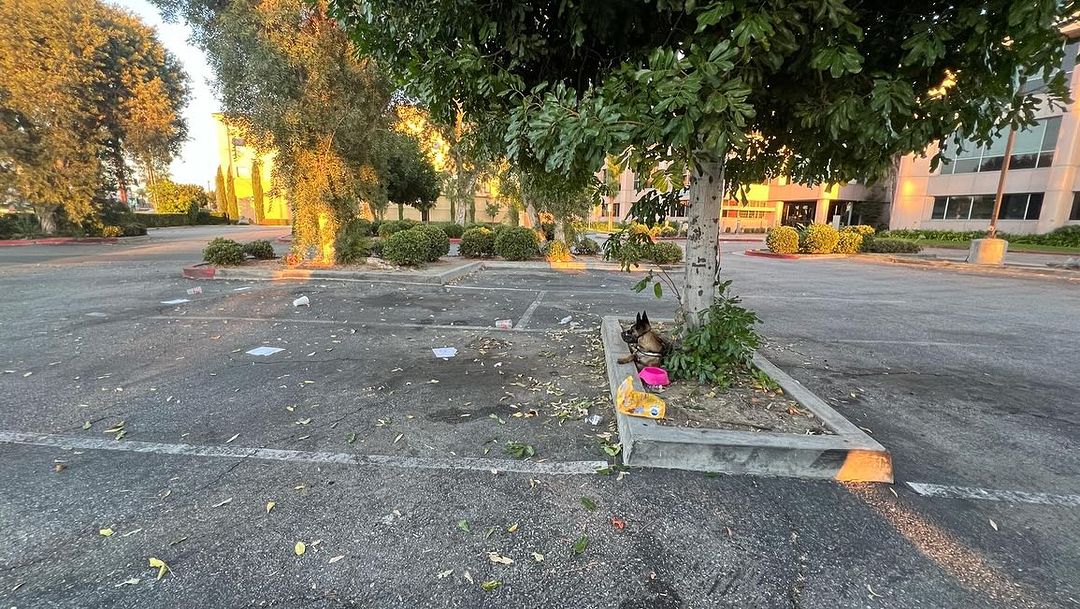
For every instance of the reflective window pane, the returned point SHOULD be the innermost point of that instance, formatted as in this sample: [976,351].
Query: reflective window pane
[1034,208]
[1029,139]
[1053,125]
[981,207]
[1024,161]
[958,208]
[939,208]
[1013,206]
[966,165]
[992,163]
[1073,215]
[1046,159]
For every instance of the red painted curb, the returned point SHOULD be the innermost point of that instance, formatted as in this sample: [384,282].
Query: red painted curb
[199,271]
[284,239]
[57,241]
[456,240]
[764,254]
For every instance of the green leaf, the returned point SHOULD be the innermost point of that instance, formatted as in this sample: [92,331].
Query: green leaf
[581,544]
[658,290]
[589,504]
[463,525]
[490,585]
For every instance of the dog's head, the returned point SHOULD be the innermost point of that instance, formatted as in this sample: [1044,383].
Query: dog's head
[640,328]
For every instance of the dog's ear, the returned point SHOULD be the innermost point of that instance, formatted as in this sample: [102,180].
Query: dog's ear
[637,319]
[644,318]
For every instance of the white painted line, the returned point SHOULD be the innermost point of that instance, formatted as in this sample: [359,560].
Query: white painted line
[989,494]
[525,317]
[342,322]
[914,343]
[827,299]
[297,456]
[175,301]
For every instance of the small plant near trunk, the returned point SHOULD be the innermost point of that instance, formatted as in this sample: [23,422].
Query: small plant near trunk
[721,346]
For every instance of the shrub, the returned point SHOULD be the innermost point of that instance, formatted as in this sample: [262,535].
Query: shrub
[439,241]
[375,224]
[888,245]
[850,242]
[452,230]
[548,228]
[353,242]
[375,249]
[224,252]
[668,230]
[390,227]
[408,247]
[720,347]
[112,231]
[557,251]
[19,225]
[818,239]
[360,226]
[517,243]
[133,229]
[259,250]
[864,230]
[664,253]
[585,246]
[782,240]
[477,243]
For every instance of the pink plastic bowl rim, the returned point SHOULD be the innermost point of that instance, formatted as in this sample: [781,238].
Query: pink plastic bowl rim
[654,376]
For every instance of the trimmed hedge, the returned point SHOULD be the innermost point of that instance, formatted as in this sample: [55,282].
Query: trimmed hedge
[410,247]
[259,249]
[1065,236]
[782,240]
[224,252]
[516,243]
[663,252]
[452,230]
[477,243]
[163,220]
[850,242]
[439,241]
[887,245]
[818,239]
[585,246]
[557,251]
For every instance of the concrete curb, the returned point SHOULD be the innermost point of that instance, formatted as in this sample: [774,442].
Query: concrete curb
[62,241]
[577,265]
[768,254]
[1013,270]
[205,271]
[849,455]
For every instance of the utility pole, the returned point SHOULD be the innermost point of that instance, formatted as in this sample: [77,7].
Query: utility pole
[992,233]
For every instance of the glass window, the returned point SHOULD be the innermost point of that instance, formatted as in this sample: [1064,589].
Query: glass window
[946,167]
[967,165]
[1013,207]
[1075,213]
[959,208]
[981,207]
[1024,161]
[940,202]
[1033,147]
[1034,208]
[1050,136]
[992,163]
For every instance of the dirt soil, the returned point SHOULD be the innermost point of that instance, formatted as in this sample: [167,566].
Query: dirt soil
[745,406]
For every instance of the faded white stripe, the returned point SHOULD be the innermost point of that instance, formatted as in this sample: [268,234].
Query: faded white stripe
[525,317]
[343,322]
[989,494]
[914,343]
[297,456]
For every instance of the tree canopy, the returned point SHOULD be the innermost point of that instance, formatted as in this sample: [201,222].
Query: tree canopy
[84,89]
[410,178]
[168,197]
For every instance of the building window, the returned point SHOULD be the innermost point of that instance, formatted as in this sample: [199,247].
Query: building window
[1074,215]
[1017,206]
[638,184]
[1034,147]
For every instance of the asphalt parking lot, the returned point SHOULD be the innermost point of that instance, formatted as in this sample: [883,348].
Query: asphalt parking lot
[392,465]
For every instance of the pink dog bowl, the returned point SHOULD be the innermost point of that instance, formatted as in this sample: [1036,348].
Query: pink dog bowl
[656,377]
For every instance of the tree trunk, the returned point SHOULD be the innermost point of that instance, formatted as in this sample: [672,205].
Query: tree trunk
[560,229]
[400,211]
[46,215]
[702,241]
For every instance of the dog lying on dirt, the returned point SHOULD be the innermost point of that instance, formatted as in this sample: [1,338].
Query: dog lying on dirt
[647,348]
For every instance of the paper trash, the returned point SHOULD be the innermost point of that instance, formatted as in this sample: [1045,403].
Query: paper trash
[303,301]
[504,324]
[264,350]
[194,290]
[638,403]
[444,352]
[175,301]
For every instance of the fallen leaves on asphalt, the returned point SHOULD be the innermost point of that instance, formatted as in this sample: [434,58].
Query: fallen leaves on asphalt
[106,532]
[336,558]
[538,557]
[300,548]
[221,503]
[157,563]
[993,524]
[588,503]
[490,585]
[495,557]
[270,505]
[445,574]
[463,525]
[618,523]
[581,544]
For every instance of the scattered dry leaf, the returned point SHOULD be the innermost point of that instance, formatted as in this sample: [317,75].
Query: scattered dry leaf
[106,532]
[157,563]
[497,558]
[300,548]
[270,505]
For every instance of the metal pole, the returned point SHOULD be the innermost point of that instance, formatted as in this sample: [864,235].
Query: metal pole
[992,233]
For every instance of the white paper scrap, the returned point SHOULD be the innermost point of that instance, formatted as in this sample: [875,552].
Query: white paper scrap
[175,301]
[444,352]
[264,350]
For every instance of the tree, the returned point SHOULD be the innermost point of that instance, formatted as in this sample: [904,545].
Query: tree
[731,92]
[172,198]
[232,208]
[82,87]
[410,178]
[492,208]
[257,198]
[220,198]
[289,75]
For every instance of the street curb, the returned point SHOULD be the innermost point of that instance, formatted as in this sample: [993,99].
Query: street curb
[768,254]
[1023,271]
[850,455]
[576,265]
[61,241]
[204,271]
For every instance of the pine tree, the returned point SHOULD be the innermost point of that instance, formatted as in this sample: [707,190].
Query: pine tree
[221,202]
[233,210]
[257,199]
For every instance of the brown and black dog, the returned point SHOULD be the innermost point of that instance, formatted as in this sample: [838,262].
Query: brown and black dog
[647,348]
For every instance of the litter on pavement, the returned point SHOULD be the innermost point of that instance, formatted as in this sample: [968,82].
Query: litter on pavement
[194,290]
[303,301]
[504,324]
[444,352]
[264,350]
[595,420]
[565,320]
[247,287]
[175,301]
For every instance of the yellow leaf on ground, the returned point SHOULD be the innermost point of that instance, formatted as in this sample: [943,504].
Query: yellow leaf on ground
[270,505]
[497,558]
[157,563]
[512,528]
[106,532]
[300,548]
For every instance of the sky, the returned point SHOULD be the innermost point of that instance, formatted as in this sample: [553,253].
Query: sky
[197,161]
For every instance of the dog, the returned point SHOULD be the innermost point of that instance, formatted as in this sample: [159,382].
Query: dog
[647,348]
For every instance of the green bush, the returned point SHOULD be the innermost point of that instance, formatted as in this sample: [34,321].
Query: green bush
[359,226]
[668,230]
[549,230]
[353,242]
[452,230]
[477,243]
[411,247]
[864,230]
[782,240]
[818,239]
[19,225]
[112,231]
[557,251]
[516,243]
[390,227]
[440,242]
[889,245]
[720,347]
[259,249]
[1065,236]
[585,246]
[224,252]
[375,249]
[375,224]
[664,253]
[133,229]
[850,242]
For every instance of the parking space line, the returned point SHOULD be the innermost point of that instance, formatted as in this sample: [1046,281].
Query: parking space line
[913,343]
[345,322]
[525,317]
[989,494]
[297,456]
